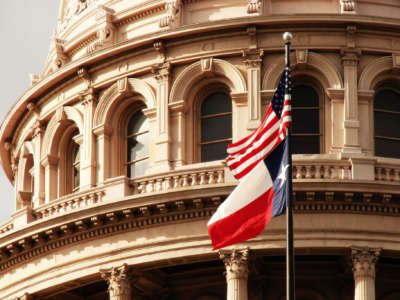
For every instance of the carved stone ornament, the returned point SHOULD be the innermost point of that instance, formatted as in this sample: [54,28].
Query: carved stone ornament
[161,72]
[364,261]
[173,9]
[236,263]
[302,56]
[73,9]
[106,29]
[119,285]
[34,79]
[347,6]
[60,58]
[254,6]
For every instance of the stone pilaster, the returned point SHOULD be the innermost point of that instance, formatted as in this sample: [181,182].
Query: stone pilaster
[88,160]
[253,61]
[162,144]
[38,170]
[103,141]
[119,285]
[351,121]
[51,176]
[237,271]
[364,261]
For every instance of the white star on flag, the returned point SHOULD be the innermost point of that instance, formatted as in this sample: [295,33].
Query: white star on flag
[282,175]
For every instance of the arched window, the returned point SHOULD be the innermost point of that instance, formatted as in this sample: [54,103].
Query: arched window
[306,116]
[386,123]
[216,126]
[137,144]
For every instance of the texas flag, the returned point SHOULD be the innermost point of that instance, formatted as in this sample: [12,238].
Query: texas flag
[260,162]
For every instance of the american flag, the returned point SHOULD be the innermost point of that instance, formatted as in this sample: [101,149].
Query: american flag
[244,155]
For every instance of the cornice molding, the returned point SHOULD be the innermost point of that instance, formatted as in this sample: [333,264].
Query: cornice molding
[122,220]
[104,224]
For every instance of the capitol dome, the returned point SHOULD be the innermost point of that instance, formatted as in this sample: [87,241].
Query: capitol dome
[117,151]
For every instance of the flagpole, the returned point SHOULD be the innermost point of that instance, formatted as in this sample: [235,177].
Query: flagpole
[290,287]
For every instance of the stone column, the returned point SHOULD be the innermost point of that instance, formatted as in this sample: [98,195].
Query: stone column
[119,285]
[237,270]
[364,260]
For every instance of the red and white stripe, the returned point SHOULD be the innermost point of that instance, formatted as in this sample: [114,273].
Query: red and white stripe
[247,210]
[244,155]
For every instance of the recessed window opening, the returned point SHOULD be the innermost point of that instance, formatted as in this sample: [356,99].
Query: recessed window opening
[137,145]
[306,129]
[216,126]
[76,167]
[387,122]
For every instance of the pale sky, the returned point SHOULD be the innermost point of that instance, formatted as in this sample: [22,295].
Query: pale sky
[26,27]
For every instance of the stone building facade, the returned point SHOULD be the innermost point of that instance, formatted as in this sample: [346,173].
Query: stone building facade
[116,151]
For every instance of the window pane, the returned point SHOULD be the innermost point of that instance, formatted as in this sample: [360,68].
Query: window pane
[138,146]
[137,123]
[216,151]
[387,148]
[77,154]
[387,124]
[216,103]
[304,96]
[387,99]
[305,121]
[76,176]
[138,169]
[305,144]
[216,128]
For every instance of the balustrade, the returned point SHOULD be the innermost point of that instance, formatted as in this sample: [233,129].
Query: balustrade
[387,173]
[312,169]
[69,203]
[178,180]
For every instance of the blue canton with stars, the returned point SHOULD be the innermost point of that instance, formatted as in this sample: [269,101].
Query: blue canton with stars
[278,165]
[279,95]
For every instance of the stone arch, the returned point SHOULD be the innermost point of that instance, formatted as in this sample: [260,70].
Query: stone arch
[58,122]
[121,89]
[332,77]
[204,68]
[373,70]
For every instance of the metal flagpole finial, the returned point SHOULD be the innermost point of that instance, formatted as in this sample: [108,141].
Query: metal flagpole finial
[287,37]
